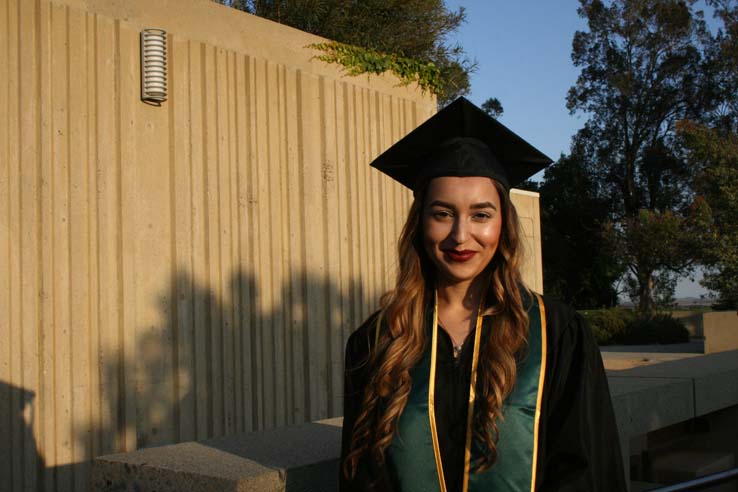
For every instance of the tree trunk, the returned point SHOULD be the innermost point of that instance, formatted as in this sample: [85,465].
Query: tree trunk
[646,304]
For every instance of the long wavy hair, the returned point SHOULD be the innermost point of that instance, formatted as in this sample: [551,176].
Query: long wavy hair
[402,340]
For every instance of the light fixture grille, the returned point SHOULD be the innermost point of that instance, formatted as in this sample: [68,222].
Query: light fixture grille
[154,65]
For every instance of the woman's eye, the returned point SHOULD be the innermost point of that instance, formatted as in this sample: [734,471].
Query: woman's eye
[442,214]
[482,216]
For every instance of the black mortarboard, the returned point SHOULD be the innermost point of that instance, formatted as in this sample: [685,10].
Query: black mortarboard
[461,140]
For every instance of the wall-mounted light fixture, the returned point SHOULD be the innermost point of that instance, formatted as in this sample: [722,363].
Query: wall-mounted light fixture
[154,66]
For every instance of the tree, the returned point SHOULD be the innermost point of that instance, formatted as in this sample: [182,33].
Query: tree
[577,265]
[493,107]
[722,72]
[409,28]
[658,246]
[641,64]
[715,153]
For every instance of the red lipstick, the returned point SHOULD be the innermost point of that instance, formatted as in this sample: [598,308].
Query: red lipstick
[461,256]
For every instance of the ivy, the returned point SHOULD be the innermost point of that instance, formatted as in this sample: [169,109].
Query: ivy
[357,60]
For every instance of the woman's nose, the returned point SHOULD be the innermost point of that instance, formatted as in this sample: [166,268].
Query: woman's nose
[460,230]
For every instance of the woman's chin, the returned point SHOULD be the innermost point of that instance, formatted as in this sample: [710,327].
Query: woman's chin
[457,276]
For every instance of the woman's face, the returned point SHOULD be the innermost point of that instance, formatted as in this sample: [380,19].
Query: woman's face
[462,222]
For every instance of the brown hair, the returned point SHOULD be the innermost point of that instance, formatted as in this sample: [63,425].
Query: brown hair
[402,339]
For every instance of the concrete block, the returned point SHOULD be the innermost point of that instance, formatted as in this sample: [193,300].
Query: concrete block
[292,459]
[188,466]
[645,404]
[721,331]
[715,378]
[716,392]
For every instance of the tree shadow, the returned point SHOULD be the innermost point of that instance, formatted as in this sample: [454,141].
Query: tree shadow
[232,356]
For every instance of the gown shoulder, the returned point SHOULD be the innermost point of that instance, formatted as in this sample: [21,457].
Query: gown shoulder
[561,319]
[370,476]
[361,340]
[578,437]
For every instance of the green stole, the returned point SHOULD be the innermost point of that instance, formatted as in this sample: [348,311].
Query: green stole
[414,455]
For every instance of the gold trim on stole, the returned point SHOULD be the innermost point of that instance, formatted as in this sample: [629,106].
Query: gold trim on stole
[472,392]
[539,398]
[432,394]
[472,395]
[541,382]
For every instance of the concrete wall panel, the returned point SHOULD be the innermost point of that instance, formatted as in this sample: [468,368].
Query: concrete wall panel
[191,270]
[527,206]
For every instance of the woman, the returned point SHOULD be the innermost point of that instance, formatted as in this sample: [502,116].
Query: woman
[465,380]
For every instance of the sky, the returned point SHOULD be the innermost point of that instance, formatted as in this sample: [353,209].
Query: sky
[523,51]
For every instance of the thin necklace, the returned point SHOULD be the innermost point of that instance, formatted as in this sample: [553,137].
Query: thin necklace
[457,349]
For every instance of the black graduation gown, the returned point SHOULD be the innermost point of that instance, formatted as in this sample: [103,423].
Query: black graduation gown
[578,439]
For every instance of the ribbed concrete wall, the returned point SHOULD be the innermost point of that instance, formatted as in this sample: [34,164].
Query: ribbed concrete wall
[185,271]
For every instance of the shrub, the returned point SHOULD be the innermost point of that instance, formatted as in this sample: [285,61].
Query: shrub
[608,325]
[623,326]
[658,328]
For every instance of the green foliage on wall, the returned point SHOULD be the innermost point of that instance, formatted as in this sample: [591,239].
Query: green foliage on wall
[357,60]
[411,30]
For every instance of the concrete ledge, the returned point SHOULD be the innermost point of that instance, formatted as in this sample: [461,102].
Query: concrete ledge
[305,458]
[286,459]
[714,376]
[645,404]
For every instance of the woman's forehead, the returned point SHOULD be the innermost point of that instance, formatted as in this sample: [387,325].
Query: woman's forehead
[462,190]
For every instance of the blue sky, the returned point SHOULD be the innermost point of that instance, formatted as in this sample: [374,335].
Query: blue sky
[523,51]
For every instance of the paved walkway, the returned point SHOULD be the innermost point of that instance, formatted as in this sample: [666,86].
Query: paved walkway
[693,347]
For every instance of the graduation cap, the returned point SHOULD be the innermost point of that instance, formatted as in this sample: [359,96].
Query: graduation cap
[461,140]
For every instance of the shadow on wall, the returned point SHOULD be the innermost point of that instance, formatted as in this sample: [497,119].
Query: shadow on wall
[20,461]
[210,365]
[220,364]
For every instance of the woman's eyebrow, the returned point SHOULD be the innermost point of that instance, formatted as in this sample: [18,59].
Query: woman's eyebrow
[476,206]
[483,205]
[439,203]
